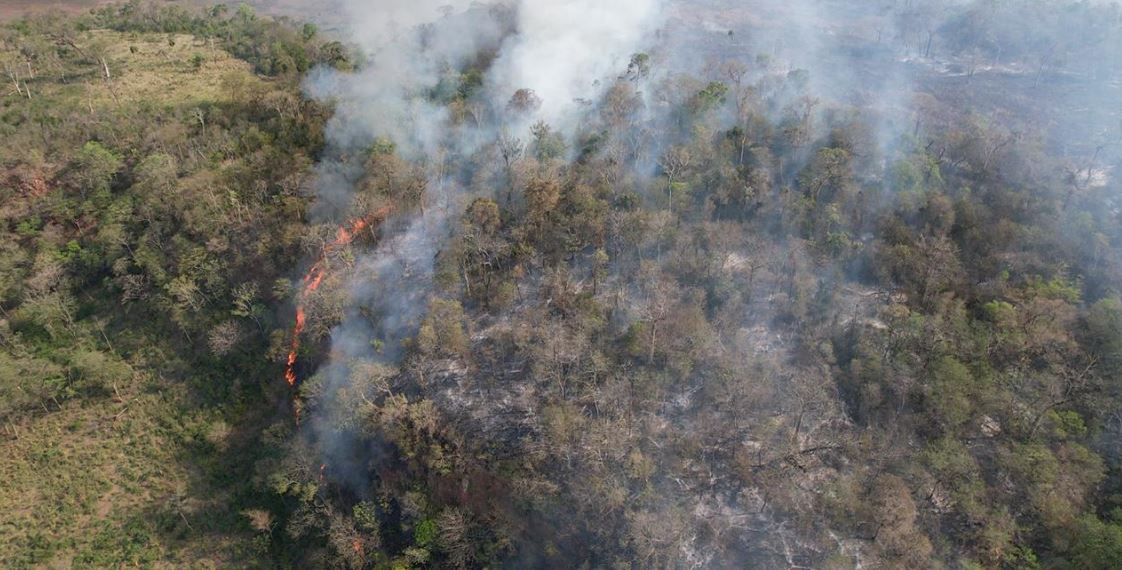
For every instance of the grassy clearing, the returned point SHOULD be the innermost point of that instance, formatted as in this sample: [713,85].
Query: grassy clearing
[170,70]
[145,70]
[106,483]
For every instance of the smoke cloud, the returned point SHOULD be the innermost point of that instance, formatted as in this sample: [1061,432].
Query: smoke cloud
[564,50]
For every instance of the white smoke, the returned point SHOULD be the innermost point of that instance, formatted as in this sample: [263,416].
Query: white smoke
[386,97]
[379,24]
[565,50]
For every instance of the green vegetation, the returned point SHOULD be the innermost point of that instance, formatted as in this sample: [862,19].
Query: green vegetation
[770,332]
[151,198]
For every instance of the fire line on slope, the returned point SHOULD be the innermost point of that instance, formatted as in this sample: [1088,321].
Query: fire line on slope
[344,236]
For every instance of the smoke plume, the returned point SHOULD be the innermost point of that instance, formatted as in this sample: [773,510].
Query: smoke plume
[563,51]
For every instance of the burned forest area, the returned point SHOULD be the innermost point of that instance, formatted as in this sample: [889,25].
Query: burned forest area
[689,284]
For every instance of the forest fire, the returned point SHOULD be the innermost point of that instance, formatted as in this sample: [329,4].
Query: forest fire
[344,236]
[290,372]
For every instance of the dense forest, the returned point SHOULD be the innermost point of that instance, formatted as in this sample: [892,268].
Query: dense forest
[808,284]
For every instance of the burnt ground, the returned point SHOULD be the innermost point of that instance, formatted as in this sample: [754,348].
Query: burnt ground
[853,59]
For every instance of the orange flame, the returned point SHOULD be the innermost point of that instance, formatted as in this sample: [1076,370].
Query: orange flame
[344,236]
[314,280]
[357,545]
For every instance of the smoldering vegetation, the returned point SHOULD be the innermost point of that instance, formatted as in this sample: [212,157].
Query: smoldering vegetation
[707,284]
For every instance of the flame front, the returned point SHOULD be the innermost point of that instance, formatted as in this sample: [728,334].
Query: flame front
[344,236]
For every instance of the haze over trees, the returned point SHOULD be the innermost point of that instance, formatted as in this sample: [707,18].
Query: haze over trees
[810,285]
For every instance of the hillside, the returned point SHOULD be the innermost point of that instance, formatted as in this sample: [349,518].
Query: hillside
[697,284]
